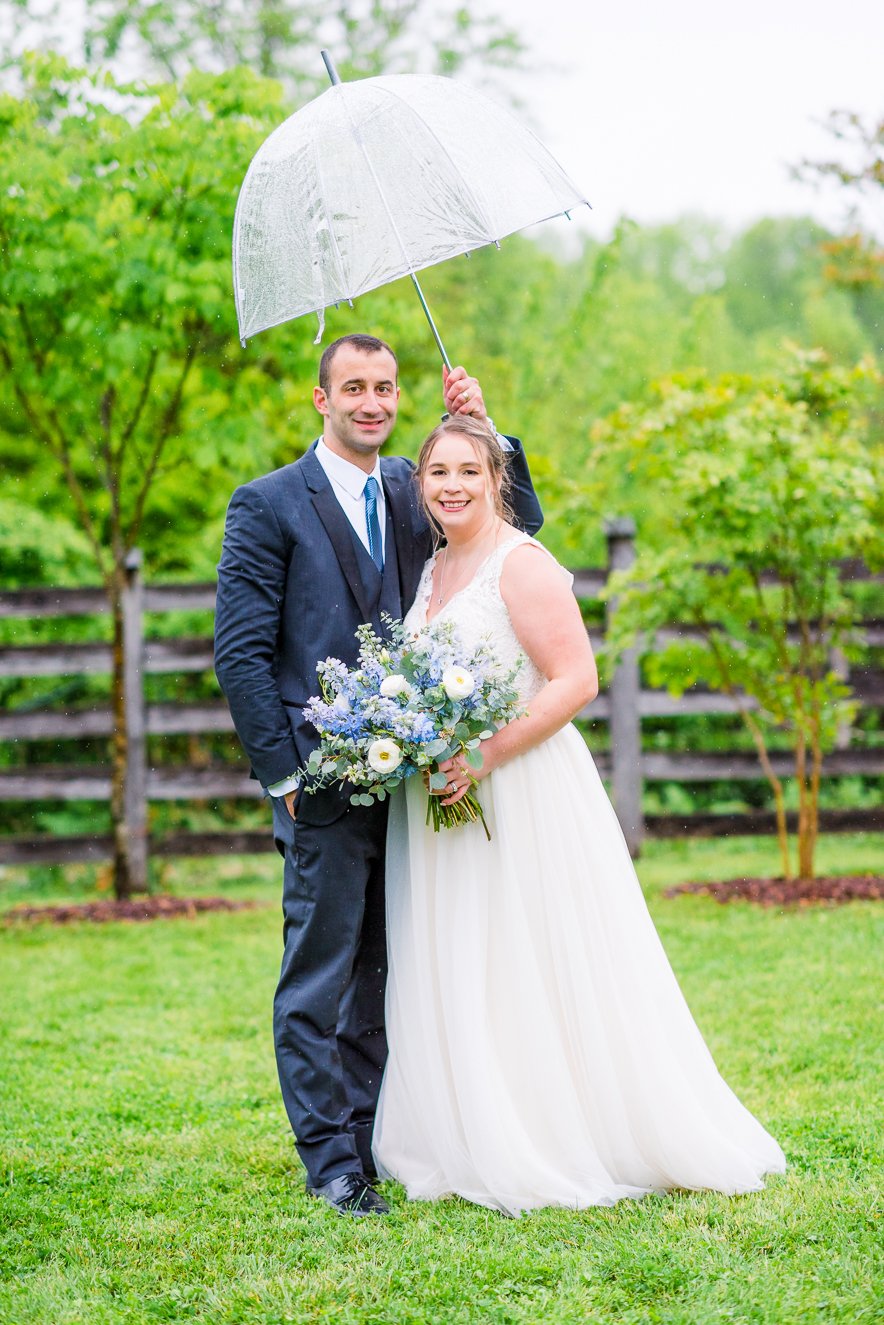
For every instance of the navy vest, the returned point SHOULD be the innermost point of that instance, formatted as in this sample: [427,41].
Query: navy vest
[383,588]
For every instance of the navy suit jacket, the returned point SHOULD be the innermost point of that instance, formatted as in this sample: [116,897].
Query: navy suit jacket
[292,589]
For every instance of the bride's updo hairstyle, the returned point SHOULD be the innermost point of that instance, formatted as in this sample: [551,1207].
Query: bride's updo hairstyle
[488,450]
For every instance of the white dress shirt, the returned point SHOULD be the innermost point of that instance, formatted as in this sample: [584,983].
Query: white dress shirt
[348,485]
[348,482]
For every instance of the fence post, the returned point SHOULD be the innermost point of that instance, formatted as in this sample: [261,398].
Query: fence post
[136,721]
[624,690]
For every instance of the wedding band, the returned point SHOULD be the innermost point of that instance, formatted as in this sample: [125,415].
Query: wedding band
[467,395]
[452,787]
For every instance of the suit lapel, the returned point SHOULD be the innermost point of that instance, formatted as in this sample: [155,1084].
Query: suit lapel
[337,526]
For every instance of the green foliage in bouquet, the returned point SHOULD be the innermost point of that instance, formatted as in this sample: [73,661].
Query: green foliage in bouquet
[411,703]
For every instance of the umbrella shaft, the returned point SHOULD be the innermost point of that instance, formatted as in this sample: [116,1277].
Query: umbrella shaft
[335,81]
[438,339]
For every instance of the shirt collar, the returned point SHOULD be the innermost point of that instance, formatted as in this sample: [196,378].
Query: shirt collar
[349,476]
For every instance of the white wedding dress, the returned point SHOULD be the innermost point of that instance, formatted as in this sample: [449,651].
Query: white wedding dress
[541,1051]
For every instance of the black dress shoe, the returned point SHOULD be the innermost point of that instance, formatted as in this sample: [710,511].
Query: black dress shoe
[351,1194]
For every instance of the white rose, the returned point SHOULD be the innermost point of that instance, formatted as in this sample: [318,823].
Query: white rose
[384,756]
[457,683]
[391,686]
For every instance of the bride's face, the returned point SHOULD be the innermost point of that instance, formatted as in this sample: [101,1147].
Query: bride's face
[457,487]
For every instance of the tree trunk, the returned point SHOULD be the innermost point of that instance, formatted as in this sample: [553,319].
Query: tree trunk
[782,825]
[758,741]
[803,812]
[807,842]
[776,787]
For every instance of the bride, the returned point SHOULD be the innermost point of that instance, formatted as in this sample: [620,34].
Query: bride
[541,1052]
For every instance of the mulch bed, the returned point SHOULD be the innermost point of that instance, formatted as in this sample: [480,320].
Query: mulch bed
[833,888]
[161,907]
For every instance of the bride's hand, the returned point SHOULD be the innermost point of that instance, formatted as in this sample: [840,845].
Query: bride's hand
[460,779]
[463,394]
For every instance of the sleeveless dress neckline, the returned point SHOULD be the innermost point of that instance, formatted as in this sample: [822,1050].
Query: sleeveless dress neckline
[425,588]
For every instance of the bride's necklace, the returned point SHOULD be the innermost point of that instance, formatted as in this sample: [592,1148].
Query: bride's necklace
[440,587]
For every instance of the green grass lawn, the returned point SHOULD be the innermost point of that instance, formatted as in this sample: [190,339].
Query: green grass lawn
[147,1173]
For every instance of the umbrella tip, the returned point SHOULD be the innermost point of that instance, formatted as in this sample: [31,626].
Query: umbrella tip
[332,72]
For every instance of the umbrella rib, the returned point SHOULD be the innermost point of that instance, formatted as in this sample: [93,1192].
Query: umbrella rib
[377,183]
[412,271]
[480,211]
[496,238]
[237,224]
[339,261]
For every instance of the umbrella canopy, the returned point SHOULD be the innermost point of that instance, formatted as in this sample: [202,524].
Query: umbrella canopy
[376,179]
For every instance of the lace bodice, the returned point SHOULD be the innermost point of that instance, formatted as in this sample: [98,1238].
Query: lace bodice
[480,614]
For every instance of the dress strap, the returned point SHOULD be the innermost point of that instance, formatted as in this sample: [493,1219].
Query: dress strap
[490,569]
[500,553]
[494,565]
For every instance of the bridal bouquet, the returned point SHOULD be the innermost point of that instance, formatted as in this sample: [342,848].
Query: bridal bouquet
[408,705]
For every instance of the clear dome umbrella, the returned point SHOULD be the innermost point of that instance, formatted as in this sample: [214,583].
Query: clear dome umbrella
[375,180]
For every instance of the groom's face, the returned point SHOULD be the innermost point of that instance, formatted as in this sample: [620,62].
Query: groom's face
[359,408]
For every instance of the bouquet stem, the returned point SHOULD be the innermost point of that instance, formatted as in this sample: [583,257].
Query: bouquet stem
[467,810]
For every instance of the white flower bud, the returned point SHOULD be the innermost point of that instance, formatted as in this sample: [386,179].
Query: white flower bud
[391,686]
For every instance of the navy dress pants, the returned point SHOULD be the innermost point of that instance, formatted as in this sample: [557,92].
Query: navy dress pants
[328,1012]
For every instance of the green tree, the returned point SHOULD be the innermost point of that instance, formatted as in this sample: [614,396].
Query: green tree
[763,484]
[854,261]
[768,271]
[857,258]
[275,38]
[120,375]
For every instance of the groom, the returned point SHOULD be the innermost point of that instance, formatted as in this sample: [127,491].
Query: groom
[311,551]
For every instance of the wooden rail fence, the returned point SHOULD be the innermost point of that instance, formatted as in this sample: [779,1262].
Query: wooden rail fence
[623,706]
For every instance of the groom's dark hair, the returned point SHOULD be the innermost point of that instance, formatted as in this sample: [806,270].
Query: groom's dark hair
[364,344]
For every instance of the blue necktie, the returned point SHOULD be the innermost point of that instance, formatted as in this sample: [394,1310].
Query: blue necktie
[375,546]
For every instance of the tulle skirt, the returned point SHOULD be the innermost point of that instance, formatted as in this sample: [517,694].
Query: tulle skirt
[541,1051]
